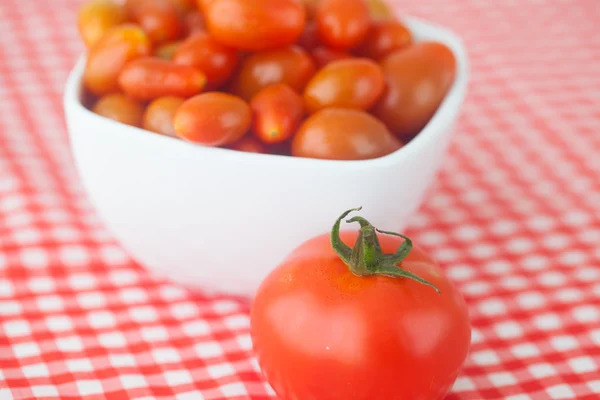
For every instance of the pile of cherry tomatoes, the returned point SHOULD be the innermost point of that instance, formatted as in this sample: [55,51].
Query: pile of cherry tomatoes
[329,79]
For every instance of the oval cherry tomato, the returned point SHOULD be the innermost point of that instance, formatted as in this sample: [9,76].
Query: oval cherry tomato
[278,110]
[120,108]
[326,326]
[159,18]
[218,62]
[324,55]
[167,51]
[249,144]
[352,83]
[109,56]
[194,23]
[96,17]
[255,24]
[342,24]
[291,65]
[343,134]
[150,78]
[309,38]
[418,79]
[213,119]
[160,113]
[384,38]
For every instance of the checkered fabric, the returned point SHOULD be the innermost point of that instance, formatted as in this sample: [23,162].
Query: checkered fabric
[514,219]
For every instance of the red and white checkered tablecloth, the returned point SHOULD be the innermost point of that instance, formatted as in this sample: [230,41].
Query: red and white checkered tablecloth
[514,219]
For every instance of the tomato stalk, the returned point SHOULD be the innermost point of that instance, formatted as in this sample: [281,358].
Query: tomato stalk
[367,258]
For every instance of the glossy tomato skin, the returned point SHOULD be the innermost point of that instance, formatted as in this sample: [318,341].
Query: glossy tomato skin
[150,78]
[277,110]
[213,119]
[290,65]
[194,23]
[96,17]
[323,55]
[351,83]
[343,134]
[110,55]
[342,24]
[159,18]
[120,108]
[218,62]
[249,144]
[320,332]
[255,25]
[384,38]
[418,78]
[160,113]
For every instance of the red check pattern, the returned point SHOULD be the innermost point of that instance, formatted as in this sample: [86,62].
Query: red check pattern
[514,219]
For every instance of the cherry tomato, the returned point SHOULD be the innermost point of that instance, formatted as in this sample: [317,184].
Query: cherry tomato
[342,24]
[194,23]
[160,113]
[326,326]
[159,18]
[291,65]
[309,38]
[96,17]
[184,6]
[343,134]
[249,144]
[167,51]
[213,119]
[255,24]
[352,83]
[218,62]
[418,79]
[105,61]
[120,108]
[278,110]
[384,38]
[324,55]
[379,11]
[150,78]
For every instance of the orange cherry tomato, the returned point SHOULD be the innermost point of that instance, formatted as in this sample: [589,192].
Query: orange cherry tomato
[249,144]
[309,38]
[278,110]
[383,38]
[150,78]
[324,55]
[194,23]
[159,18]
[290,65]
[120,108]
[343,134]
[352,83]
[218,62]
[109,56]
[167,51]
[184,6]
[418,79]
[160,113]
[213,119]
[342,24]
[255,24]
[96,17]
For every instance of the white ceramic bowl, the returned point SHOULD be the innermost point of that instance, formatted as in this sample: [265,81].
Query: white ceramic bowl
[221,220]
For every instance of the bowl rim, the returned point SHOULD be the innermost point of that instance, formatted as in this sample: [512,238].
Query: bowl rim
[444,115]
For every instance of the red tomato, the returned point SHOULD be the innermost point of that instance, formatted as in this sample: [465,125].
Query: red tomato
[384,38]
[218,62]
[120,108]
[291,65]
[278,110]
[249,144]
[352,83]
[213,119]
[184,6]
[327,325]
[342,24]
[343,134]
[324,55]
[150,78]
[159,18]
[160,113]
[194,23]
[418,79]
[96,17]
[255,24]
[109,56]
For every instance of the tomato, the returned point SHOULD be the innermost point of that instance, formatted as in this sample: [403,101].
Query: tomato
[109,56]
[184,6]
[352,83]
[309,38]
[331,326]
[120,108]
[418,79]
[218,62]
[278,110]
[167,51]
[96,17]
[291,65]
[384,37]
[160,113]
[342,24]
[249,144]
[149,78]
[378,10]
[343,134]
[159,18]
[213,119]
[311,7]
[255,24]
[323,55]
[194,23]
